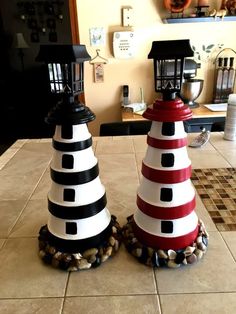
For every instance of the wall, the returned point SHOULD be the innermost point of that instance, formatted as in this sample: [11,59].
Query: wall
[105,98]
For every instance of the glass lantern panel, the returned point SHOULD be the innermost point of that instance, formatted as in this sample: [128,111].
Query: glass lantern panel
[55,77]
[78,77]
[168,74]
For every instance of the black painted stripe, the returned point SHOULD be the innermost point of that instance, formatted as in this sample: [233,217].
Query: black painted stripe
[74,178]
[75,246]
[72,147]
[77,212]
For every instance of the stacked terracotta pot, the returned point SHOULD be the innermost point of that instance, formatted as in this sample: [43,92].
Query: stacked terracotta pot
[79,221]
[165,219]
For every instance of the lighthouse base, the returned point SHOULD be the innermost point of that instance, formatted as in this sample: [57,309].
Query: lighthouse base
[87,257]
[164,258]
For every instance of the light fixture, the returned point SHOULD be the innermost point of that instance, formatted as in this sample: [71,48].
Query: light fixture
[65,65]
[168,60]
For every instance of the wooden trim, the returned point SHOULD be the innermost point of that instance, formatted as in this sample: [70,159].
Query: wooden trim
[74,22]
[75,31]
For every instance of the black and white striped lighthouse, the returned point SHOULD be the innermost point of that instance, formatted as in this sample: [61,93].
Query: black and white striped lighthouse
[80,232]
[165,229]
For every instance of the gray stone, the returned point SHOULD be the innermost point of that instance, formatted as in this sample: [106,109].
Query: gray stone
[90,252]
[104,258]
[112,241]
[172,264]
[191,259]
[162,254]
[108,251]
[84,264]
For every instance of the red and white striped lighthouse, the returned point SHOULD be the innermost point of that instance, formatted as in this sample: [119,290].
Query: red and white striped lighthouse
[165,229]
[165,218]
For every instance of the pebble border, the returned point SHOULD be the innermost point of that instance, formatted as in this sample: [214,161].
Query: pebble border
[91,258]
[165,258]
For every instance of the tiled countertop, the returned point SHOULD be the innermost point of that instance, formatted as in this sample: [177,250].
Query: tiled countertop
[120,285]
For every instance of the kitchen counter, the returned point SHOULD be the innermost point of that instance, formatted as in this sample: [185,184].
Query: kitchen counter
[121,284]
[202,118]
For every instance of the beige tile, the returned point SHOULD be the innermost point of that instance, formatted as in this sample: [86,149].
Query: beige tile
[7,155]
[30,160]
[140,144]
[102,138]
[230,239]
[110,146]
[19,143]
[120,169]
[17,187]
[229,155]
[217,303]
[34,216]
[114,304]
[119,176]
[216,272]
[46,140]
[218,141]
[24,275]
[9,213]
[2,243]
[213,159]
[30,306]
[139,160]
[10,152]
[120,275]
[43,186]
[119,165]
[121,202]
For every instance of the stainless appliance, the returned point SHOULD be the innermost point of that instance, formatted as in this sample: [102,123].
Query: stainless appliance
[190,91]
[191,87]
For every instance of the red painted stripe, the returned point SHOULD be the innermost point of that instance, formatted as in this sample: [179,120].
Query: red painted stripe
[166,212]
[168,111]
[166,144]
[166,176]
[163,243]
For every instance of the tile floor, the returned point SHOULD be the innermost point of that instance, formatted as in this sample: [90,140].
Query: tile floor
[120,285]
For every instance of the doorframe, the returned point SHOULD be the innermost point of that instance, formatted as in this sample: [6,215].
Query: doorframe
[74,21]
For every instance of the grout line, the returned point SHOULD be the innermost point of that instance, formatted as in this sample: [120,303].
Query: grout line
[66,287]
[157,290]
[118,295]
[228,247]
[33,298]
[28,200]
[110,295]
[160,304]
[217,149]
[199,293]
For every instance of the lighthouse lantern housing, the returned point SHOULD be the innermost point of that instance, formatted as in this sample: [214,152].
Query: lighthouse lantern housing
[80,232]
[165,230]
[65,64]
[168,60]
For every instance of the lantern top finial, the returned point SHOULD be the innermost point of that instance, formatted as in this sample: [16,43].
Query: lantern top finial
[62,54]
[170,49]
